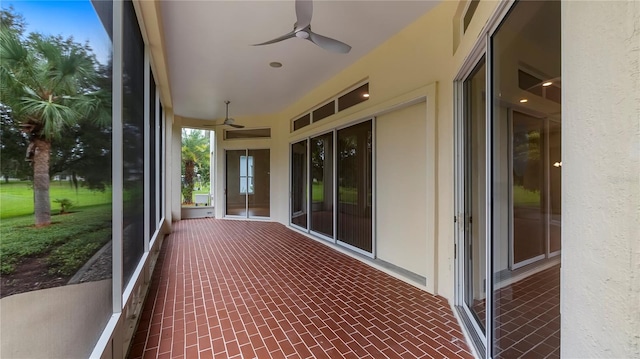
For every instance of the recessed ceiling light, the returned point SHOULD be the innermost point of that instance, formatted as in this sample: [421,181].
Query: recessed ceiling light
[524,100]
[366,95]
[548,83]
[275,64]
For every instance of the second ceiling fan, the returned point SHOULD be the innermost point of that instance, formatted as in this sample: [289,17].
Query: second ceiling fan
[227,120]
[302,30]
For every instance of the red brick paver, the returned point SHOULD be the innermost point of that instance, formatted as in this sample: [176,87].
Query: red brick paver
[241,289]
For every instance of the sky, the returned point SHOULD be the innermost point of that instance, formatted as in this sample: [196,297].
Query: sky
[75,18]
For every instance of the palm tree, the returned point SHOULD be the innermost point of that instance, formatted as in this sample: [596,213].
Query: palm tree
[195,144]
[48,82]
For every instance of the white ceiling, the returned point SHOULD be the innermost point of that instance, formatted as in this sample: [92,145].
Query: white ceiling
[210,59]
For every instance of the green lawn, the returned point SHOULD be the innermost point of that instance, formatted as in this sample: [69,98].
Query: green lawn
[524,197]
[317,191]
[68,242]
[347,194]
[202,190]
[16,197]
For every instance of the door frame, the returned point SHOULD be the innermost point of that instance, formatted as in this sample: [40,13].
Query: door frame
[483,342]
[226,179]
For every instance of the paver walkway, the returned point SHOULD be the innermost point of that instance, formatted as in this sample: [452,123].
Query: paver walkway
[241,289]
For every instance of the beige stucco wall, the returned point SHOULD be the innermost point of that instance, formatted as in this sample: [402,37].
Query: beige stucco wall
[61,322]
[402,198]
[600,298]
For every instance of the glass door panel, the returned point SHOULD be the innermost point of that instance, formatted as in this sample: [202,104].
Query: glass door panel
[355,160]
[258,183]
[299,184]
[555,182]
[474,195]
[237,183]
[525,191]
[528,207]
[322,184]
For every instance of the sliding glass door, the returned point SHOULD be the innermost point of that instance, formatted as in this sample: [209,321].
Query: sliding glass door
[321,184]
[247,191]
[475,191]
[332,186]
[508,175]
[355,188]
[299,184]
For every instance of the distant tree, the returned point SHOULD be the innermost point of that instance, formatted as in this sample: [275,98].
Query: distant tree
[50,84]
[13,146]
[195,154]
[12,21]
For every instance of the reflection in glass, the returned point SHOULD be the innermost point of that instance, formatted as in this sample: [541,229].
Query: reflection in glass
[475,194]
[525,183]
[353,97]
[302,122]
[322,184]
[236,201]
[153,157]
[258,183]
[133,146]
[527,188]
[324,111]
[555,181]
[355,158]
[299,184]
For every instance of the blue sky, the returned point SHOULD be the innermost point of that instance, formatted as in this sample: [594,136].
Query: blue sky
[75,18]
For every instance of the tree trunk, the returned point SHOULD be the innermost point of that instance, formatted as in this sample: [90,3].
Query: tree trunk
[42,204]
[188,179]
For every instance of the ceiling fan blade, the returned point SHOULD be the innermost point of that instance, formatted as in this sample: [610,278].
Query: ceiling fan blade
[328,43]
[304,11]
[277,39]
[234,125]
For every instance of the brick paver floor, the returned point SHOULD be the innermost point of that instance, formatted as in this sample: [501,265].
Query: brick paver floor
[242,289]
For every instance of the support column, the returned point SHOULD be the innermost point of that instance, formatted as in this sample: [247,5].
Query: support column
[600,278]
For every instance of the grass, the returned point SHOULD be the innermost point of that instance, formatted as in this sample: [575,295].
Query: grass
[317,191]
[347,194]
[16,197]
[524,197]
[202,190]
[69,241]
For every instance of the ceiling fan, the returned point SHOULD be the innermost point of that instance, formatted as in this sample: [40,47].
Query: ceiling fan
[227,120]
[302,30]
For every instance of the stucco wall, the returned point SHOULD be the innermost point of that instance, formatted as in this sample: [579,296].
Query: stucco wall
[402,198]
[61,322]
[600,298]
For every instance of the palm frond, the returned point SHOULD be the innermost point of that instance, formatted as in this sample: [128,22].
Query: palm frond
[11,50]
[51,116]
[96,107]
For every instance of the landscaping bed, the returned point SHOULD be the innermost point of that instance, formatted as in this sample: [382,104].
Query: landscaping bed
[35,258]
